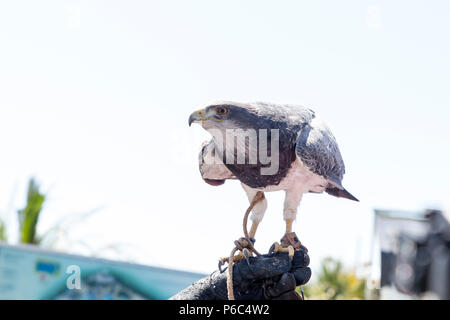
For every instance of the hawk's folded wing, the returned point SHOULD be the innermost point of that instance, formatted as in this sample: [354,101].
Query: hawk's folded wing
[212,169]
[318,150]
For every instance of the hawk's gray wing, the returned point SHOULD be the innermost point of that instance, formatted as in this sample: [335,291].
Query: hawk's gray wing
[212,169]
[318,150]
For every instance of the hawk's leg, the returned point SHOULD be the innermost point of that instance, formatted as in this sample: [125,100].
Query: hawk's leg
[289,242]
[252,232]
[258,210]
[289,223]
[256,216]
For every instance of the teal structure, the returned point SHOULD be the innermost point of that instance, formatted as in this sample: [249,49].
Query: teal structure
[28,272]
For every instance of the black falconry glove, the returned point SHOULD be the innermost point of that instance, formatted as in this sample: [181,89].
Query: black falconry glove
[265,277]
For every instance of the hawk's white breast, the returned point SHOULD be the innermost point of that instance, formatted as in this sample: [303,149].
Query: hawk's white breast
[299,177]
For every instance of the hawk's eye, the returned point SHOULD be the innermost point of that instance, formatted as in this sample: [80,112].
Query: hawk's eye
[221,110]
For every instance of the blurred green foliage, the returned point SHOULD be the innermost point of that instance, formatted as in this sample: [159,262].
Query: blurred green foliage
[29,215]
[3,236]
[335,283]
[29,218]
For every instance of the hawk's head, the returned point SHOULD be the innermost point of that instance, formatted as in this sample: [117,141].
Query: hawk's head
[223,115]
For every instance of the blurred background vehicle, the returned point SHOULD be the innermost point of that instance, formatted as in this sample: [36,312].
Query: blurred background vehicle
[414,255]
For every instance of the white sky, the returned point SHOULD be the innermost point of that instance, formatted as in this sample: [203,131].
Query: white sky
[95,97]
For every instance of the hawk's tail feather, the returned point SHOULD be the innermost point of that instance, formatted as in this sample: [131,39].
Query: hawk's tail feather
[341,193]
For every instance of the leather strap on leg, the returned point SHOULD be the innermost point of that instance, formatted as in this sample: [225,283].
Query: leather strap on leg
[290,239]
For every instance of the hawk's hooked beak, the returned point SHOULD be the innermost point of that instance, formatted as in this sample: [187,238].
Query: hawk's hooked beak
[197,116]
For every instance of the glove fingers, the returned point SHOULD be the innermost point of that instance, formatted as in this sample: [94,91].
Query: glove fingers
[300,259]
[290,295]
[285,284]
[302,275]
[263,267]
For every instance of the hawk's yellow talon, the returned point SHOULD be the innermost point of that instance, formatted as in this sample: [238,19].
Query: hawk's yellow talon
[291,252]
[236,258]
[276,247]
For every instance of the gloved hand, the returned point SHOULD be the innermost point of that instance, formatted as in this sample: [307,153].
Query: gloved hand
[269,276]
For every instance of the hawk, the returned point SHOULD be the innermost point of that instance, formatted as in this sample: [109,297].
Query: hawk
[270,147]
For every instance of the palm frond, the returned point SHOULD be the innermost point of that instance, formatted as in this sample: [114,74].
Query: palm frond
[29,215]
